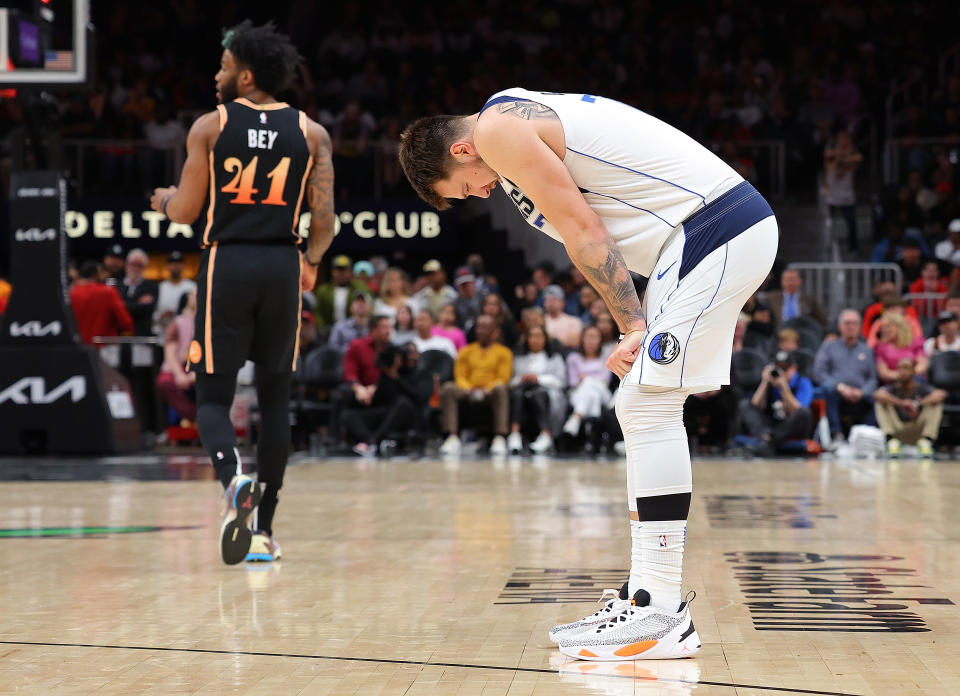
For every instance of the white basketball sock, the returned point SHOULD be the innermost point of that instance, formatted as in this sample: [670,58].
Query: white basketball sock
[659,484]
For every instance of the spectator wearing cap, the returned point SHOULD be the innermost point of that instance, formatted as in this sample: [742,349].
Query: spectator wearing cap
[363,271]
[909,410]
[139,294]
[790,301]
[172,288]
[309,338]
[436,293]
[353,327]
[113,265]
[334,297]
[566,328]
[949,249]
[911,261]
[98,308]
[779,409]
[467,303]
[895,304]
[846,373]
[890,248]
[947,337]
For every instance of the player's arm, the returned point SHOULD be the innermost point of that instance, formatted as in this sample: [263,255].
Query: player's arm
[319,193]
[516,150]
[185,203]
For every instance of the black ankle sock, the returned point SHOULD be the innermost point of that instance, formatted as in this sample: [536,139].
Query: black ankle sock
[268,505]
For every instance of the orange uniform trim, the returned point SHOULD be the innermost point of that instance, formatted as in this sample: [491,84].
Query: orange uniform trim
[207,327]
[261,107]
[296,208]
[296,345]
[223,116]
[634,515]
[213,200]
[586,653]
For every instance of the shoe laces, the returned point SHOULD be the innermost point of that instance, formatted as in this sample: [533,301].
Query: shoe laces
[608,599]
[631,612]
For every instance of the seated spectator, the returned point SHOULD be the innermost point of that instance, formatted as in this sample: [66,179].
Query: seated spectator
[609,333]
[494,306]
[403,328]
[890,248]
[740,330]
[467,303]
[788,340]
[532,317]
[174,384]
[564,327]
[588,379]
[895,304]
[930,281]
[391,408]
[447,326]
[309,336]
[394,293]
[480,373]
[910,262]
[334,297]
[761,321]
[360,372]
[949,249]
[588,295]
[896,342]
[527,295]
[426,340]
[846,373]
[171,290]
[436,293]
[779,409]
[363,271]
[536,390]
[98,308]
[881,289]
[909,411]
[355,326]
[790,301]
[947,337]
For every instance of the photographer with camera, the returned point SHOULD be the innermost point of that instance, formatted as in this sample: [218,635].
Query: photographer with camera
[779,409]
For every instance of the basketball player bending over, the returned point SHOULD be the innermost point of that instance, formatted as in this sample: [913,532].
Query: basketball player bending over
[624,192]
[251,159]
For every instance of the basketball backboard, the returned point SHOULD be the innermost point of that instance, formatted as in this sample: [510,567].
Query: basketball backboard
[45,43]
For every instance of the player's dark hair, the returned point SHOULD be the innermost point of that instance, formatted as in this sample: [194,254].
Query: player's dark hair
[268,54]
[425,154]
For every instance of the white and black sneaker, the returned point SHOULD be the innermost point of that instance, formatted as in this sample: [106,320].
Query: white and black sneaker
[641,632]
[614,603]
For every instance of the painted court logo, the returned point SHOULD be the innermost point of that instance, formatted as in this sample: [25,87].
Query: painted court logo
[664,348]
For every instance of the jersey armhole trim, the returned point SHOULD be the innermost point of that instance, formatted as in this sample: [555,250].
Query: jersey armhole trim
[303,124]
[222,110]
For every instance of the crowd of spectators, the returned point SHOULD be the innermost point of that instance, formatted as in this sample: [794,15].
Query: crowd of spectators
[722,73]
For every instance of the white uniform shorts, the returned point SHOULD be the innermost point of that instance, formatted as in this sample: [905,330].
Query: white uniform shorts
[707,270]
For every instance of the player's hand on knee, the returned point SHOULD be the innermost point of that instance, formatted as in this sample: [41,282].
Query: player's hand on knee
[625,354]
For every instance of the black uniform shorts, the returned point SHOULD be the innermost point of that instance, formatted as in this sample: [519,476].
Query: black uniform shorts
[248,307]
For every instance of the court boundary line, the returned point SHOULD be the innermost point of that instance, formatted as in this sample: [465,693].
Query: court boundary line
[421,663]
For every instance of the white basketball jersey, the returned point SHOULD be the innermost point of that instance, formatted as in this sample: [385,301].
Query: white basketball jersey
[642,176]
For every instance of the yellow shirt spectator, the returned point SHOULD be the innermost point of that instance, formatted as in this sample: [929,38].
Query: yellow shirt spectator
[477,367]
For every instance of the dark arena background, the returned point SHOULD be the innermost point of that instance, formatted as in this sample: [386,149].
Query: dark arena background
[426,548]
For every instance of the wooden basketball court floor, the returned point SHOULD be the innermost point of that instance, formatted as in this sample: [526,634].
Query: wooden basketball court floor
[438,577]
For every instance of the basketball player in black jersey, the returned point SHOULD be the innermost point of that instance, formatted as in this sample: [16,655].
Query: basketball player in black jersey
[253,160]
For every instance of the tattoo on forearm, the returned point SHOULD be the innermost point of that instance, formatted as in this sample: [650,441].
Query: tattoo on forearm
[526,110]
[320,199]
[603,265]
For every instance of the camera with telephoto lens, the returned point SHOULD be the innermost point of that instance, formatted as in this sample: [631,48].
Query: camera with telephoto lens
[775,373]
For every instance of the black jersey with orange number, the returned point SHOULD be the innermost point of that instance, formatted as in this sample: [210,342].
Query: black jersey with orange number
[258,170]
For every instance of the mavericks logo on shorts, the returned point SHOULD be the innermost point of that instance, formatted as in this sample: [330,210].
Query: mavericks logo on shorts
[664,348]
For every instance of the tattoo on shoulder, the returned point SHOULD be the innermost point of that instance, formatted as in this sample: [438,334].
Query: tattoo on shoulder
[527,110]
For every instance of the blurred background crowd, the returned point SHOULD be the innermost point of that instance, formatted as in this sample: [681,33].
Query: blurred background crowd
[859,122]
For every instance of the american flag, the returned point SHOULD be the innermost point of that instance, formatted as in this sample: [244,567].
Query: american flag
[58,60]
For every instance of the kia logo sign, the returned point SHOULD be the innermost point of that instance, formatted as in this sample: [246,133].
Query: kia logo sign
[34,329]
[35,234]
[33,390]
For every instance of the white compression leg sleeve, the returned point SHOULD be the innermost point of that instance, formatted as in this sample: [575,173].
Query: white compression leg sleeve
[659,485]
